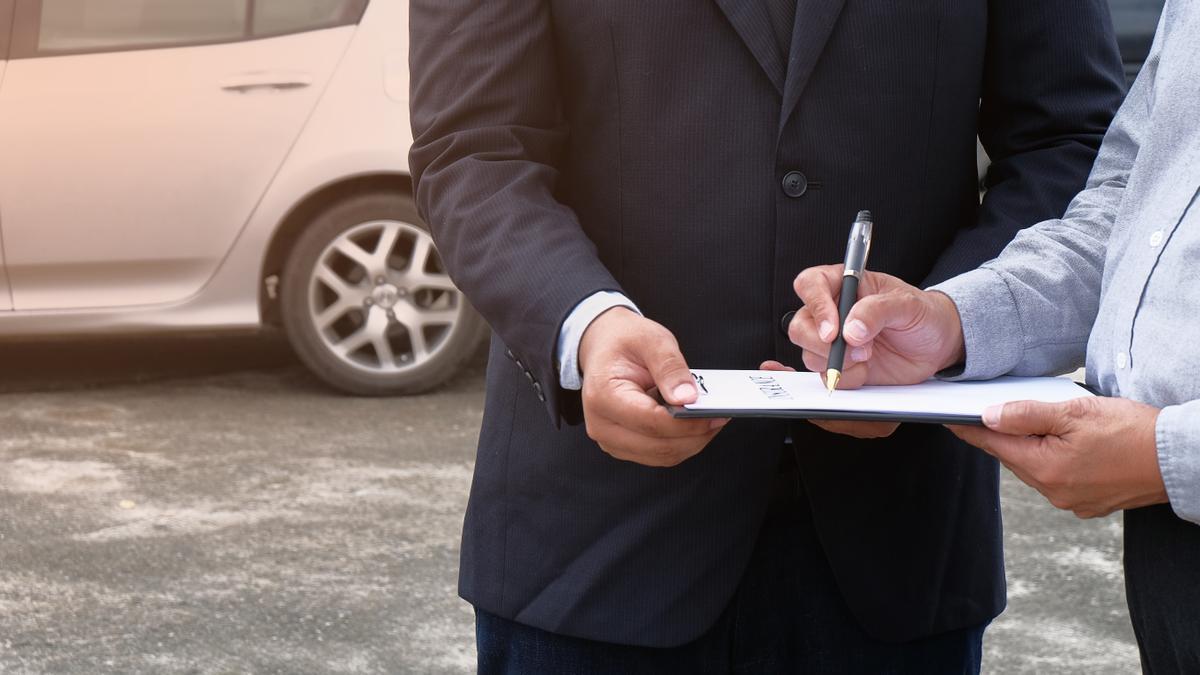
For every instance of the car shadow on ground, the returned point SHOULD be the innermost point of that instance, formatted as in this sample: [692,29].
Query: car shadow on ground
[63,364]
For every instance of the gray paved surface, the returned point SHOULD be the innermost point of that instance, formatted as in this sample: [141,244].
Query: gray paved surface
[202,506]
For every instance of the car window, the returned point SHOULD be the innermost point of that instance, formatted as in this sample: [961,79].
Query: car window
[87,25]
[274,17]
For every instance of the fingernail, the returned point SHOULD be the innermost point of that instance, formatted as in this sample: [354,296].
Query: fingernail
[685,392]
[826,330]
[717,424]
[859,354]
[856,330]
[991,416]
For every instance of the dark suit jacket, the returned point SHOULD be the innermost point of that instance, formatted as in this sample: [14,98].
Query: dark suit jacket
[565,147]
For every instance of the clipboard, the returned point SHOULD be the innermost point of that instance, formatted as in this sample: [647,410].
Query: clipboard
[802,396]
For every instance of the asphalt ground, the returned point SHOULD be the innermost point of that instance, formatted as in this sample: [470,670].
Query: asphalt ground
[204,506]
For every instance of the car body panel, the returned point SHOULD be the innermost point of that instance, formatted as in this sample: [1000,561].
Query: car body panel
[369,88]
[6,12]
[67,123]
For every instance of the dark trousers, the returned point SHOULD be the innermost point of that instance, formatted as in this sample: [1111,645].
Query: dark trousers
[1162,584]
[787,616]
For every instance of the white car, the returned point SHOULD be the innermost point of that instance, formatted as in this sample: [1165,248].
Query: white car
[222,164]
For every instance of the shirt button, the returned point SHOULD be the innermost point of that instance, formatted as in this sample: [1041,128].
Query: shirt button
[1156,238]
[795,184]
[785,322]
[1122,361]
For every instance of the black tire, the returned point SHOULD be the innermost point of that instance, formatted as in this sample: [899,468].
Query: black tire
[296,292]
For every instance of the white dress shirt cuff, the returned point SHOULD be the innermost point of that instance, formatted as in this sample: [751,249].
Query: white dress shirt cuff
[571,333]
[1178,436]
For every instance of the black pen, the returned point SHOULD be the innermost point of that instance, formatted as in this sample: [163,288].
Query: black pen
[857,250]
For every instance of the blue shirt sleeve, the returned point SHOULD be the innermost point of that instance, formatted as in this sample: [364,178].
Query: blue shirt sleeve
[571,333]
[1178,438]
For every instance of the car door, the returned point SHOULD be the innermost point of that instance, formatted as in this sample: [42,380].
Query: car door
[6,12]
[139,135]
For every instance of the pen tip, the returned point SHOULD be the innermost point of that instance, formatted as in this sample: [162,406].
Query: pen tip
[832,377]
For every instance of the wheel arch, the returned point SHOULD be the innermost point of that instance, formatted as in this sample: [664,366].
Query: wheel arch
[299,216]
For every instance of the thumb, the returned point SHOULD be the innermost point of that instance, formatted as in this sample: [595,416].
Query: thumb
[1024,418]
[671,373]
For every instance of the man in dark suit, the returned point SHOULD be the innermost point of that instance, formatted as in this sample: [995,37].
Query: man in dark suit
[618,183]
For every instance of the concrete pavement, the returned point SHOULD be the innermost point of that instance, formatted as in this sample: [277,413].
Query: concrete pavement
[203,506]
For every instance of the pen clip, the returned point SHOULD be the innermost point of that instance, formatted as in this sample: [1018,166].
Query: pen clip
[858,248]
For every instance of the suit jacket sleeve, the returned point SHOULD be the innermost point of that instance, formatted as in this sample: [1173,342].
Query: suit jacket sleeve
[1052,82]
[488,130]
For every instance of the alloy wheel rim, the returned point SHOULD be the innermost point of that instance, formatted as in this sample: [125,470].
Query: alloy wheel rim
[380,298]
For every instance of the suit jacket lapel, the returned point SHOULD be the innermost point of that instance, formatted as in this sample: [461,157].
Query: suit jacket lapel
[750,20]
[814,24]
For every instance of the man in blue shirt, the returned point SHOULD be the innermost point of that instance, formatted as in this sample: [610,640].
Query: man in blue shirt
[1114,282]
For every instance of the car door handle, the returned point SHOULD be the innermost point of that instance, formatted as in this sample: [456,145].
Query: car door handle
[270,81]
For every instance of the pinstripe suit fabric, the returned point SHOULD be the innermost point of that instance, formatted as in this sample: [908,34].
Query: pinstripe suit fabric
[565,147]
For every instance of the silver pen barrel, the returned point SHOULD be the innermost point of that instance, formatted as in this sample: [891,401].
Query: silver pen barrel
[858,248]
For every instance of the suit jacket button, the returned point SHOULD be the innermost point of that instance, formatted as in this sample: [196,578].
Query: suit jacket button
[795,184]
[785,321]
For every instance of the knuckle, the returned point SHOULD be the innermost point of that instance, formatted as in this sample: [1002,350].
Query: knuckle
[665,455]
[795,333]
[592,403]
[1060,502]
[672,460]
[1053,480]
[1018,409]
[812,282]
[671,360]
[811,361]
[643,427]
[594,434]
[1081,407]
[804,279]
[665,347]
[654,335]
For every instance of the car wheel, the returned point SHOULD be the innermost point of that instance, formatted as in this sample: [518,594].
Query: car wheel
[367,304]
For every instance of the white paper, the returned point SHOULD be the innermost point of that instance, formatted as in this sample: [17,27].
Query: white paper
[751,390]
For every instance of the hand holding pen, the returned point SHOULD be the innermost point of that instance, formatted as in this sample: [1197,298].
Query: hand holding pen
[894,333]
